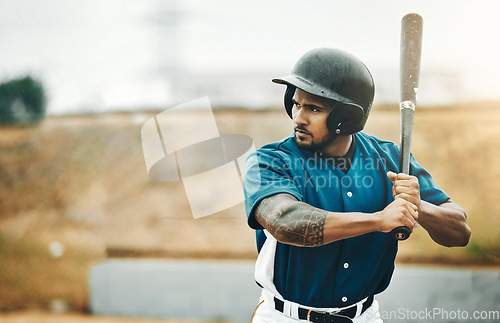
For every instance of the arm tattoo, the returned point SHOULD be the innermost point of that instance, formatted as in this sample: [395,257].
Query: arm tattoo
[292,221]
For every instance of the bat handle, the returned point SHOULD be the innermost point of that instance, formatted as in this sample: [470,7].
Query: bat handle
[401,233]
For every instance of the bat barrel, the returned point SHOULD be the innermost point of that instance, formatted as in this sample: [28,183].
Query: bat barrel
[410,52]
[409,69]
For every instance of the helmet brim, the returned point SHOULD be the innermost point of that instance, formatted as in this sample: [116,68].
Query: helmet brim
[304,85]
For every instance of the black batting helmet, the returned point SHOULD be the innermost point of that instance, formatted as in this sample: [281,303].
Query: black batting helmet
[337,75]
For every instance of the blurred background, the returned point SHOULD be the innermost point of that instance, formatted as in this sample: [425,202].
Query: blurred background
[79,79]
[129,55]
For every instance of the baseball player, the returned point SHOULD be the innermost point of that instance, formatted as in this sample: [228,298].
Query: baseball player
[323,201]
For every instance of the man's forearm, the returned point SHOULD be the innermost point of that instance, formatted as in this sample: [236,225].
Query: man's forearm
[446,223]
[291,223]
[297,223]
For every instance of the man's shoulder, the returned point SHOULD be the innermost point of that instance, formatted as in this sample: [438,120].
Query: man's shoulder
[285,146]
[280,152]
[376,143]
[380,149]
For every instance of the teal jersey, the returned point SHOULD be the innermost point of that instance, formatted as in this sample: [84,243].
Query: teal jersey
[342,272]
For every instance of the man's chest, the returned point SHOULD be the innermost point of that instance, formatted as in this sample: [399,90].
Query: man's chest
[359,190]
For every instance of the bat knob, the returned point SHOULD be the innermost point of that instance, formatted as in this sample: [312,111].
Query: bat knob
[401,233]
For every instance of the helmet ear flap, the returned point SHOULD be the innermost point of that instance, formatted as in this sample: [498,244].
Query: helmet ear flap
[344,119]
[288,100]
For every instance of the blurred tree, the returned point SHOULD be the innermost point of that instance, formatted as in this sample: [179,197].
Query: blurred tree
[22,101]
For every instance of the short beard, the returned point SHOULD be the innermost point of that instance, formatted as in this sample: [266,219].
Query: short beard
[315,144]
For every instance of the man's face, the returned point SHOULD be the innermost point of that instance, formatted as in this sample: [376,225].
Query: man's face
[309,114]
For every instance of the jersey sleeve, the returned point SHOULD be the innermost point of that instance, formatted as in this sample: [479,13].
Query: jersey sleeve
[266,173]
[429,190]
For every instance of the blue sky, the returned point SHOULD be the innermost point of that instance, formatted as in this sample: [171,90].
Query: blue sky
[99,55]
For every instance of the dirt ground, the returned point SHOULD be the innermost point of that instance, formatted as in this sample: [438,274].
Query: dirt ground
[44,317]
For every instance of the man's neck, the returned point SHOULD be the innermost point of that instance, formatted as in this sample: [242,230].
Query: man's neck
[338,148]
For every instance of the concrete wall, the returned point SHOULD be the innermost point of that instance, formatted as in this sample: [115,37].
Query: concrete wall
[225,290]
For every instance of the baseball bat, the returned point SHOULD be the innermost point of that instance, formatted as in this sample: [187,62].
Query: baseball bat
[409,71]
